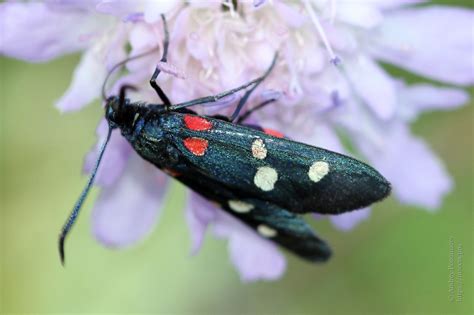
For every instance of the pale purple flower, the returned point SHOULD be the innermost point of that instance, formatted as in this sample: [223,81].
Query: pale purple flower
[214,49]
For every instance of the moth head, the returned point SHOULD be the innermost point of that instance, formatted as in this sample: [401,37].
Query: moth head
[117,111]
[112,110]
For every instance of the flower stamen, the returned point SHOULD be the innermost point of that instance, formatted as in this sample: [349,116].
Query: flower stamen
[314,18]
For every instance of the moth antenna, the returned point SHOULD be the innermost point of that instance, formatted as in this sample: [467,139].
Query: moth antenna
[120,64]
[77,207]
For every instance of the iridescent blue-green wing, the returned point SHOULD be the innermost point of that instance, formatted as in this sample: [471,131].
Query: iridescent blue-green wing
[287,229]
[294,176]
[270,221]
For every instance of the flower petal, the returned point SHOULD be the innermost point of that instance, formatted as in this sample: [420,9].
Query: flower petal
[407,162]
[86,84]
[153,9]
[116,51]
[359,14]
[433,41]
[349,220]
[143,38]
[115,157]
[118,8]
[36,32]
[290,14]
[84,5]
[325,137]
[127,211]
[254,257]
[199,214]
[257,3]
[419,98]
[393,4]
[374,85]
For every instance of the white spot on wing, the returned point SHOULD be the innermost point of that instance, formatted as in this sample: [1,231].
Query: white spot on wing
[318,170]
[265,178]
[258,149]
[266,231]
[240,206]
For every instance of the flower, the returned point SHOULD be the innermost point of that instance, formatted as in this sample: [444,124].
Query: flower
[329,78]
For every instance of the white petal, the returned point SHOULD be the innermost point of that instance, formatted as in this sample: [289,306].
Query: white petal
[433,41]
[430,97]
[349,220]
[153,9]
[393,4]
[199,214]
[86,84]
[419,98]
[118,7]
[254,257]
[320,135]
[143,38]
[290,14]
[116,48]
[127,211]
[35,32]
[359,13]
[115,158]
[85,5]
[374,85]
[257,3]
[417,175]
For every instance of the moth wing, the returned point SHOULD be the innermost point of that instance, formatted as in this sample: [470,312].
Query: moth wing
[270,221]
[294,176]
[287,229]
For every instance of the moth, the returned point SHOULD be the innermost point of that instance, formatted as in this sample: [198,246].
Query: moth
[261,178]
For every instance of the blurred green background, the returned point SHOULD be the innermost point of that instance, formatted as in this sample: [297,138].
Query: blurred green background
[396,262]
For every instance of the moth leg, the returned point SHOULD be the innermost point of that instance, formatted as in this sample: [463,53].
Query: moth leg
[215,98]
[123,90]
[153,83]
[244,98]
[246,115]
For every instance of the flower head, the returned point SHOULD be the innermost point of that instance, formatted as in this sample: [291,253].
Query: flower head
[329,79]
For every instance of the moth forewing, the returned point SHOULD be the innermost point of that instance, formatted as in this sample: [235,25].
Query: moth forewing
[297,177]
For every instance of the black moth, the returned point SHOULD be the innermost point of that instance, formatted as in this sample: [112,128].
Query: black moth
[262,179]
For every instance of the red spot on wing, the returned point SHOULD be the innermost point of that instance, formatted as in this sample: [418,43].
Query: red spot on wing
[197,123]
[274,133]
[196,146]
